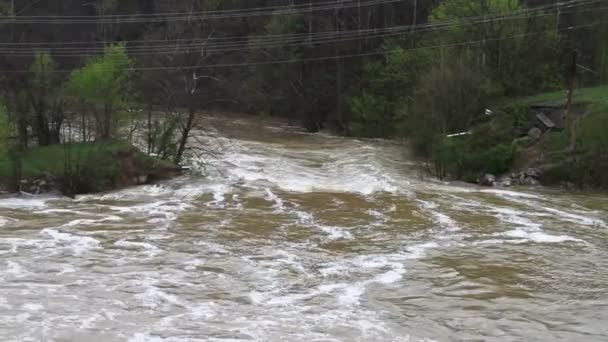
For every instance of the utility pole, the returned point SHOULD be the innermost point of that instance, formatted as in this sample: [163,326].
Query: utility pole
[570,115]
[559,15]
[415,20]
[339,70]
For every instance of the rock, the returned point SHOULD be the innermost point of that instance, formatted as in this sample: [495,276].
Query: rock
[531,181]
[488,180]
[521,178]
[535,133]
[534,173]
[505,182]
[143,179]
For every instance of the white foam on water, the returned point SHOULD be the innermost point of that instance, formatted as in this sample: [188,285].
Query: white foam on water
[78,244]
[419,251]
[192,265]
[66,268]
[335,233]
[15,269]
[537,236]
[4,221]
[527,230]
[23,203]
[141,337]
[61,211]
[443,220]
[332,232]
[516,217]
[154,298]
[278,202]
[4,303]
[391,267]
[219,192]
[212,247]
[91,222]
[509,193]
[305,218]
[148,249]
[576,218]
[499,242]
[32,307]
[134,193]
[351,173]
[159,211]
[351,294]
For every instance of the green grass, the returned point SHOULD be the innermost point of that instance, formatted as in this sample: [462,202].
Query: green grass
[86,167]
[52,159]
[597,96]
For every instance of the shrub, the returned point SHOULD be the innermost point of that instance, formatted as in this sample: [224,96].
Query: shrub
[457,158]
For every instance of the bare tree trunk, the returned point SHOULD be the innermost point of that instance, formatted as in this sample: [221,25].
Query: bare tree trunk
[150,129]
[185,135]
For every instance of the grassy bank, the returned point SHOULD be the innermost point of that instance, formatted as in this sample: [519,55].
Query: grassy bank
[84,167]
[501,144]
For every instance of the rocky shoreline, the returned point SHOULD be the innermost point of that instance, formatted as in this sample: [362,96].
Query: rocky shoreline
[529,177]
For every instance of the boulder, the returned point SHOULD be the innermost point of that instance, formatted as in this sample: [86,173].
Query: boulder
[505,182]
[534,173]
[531,181]
[488,180]
[143,179]
[535,133]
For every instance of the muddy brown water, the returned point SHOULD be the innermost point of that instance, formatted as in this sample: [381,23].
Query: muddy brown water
[297,237]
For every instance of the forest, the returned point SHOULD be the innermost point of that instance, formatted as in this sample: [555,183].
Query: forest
[75,71]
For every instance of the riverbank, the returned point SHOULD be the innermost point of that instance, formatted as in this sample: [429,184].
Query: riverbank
[81,168]
[529,142]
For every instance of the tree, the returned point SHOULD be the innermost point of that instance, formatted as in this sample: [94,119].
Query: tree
[105,84]
[518,53]
[447,100]
[4,132]
[44,93]
[383,107]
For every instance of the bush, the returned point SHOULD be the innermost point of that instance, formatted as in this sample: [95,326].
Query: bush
[369,116]
[457,158]
[449,99]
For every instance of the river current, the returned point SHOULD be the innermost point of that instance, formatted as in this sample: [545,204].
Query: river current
[299,237]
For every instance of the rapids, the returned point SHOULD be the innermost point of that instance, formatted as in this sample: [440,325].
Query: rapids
[298,237]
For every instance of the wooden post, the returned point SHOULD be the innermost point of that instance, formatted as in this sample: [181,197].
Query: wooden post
[570,115]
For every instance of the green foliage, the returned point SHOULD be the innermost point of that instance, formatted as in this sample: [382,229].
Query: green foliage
[459,158]
[448,99]
[588,164]
[369,116]
[505,50]
[105,80]
[80,168]
[4,132]
[105,83]
[382,108]
[591,162]
[164,138]
[43,71]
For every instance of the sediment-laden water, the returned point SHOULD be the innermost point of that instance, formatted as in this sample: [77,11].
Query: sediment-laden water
[297,237]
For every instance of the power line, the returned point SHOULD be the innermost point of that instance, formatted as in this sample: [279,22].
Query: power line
[226,47]
[325,58]
[186,13]
[571,3]
[284,10]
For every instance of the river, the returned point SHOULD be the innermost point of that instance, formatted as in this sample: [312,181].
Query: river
[299,237]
